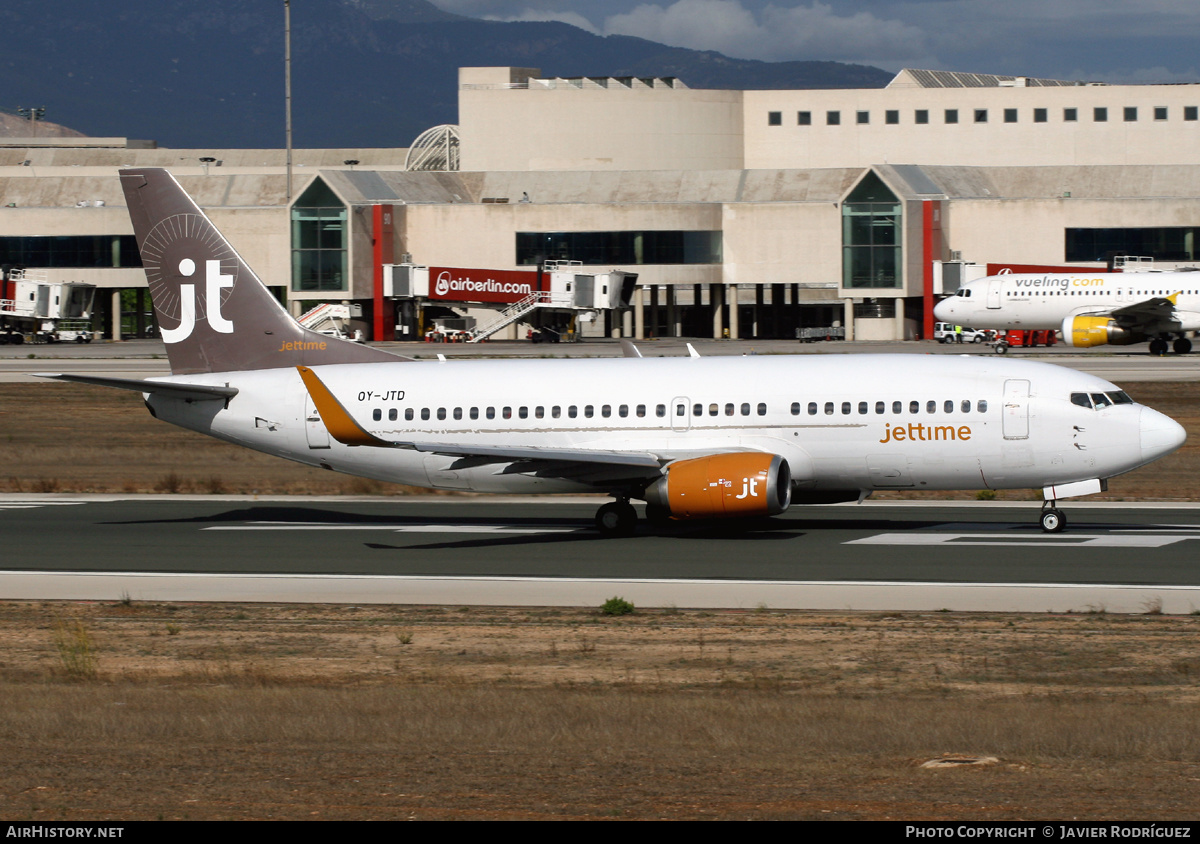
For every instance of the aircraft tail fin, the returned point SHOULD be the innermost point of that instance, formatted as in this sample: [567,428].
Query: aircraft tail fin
[214,313]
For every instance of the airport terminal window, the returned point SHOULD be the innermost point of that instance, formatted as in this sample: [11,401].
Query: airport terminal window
[891,117]
[620,247]
[1160,112]
[1010,115]
[1191,112]
[90,251]
[1171,243]
[1070,115]
[833,118]
[774,118]
[871,225]
[1040,115]
[1130,114]
[951,115]
[981,115]
[319,240]
[1099,114]
[804,118]
[921,115]
[863,117]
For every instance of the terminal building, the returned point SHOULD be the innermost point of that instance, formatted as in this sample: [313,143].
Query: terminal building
[742,213]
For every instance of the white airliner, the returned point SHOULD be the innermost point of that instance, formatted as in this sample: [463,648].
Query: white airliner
[1089,309]
[693,437]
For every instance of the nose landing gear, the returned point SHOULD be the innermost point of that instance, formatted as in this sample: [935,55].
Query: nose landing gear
[1053,520]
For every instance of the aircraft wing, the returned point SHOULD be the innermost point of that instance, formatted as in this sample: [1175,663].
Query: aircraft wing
[1152,315]
[187,392]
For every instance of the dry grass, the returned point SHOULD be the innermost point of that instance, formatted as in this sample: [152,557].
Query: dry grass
[219,711]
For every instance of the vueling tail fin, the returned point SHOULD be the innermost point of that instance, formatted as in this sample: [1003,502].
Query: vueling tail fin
[214,313]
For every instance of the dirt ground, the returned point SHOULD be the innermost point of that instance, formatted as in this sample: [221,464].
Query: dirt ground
[129,711]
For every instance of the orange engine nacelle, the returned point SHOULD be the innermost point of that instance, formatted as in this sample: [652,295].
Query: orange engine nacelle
[736,484]
[1087,331]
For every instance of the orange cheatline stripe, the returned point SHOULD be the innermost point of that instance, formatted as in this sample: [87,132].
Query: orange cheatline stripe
[338,422]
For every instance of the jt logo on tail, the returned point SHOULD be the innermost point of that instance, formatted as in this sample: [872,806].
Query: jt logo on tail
[214,282]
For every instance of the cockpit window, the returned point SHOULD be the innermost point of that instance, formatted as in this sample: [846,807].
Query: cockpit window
[1101,400]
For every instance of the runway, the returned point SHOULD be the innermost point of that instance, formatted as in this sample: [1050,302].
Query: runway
[972,556]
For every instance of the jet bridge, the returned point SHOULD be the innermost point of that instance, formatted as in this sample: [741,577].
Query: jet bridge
[557,295]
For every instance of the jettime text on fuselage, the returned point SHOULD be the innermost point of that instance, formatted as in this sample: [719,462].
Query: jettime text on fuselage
[918,432]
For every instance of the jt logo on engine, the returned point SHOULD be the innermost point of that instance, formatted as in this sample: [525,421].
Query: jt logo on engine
[749,488]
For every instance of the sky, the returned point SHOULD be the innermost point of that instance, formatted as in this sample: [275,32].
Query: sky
[1115,41]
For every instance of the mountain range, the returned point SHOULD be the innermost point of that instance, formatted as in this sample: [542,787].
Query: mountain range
[365,73]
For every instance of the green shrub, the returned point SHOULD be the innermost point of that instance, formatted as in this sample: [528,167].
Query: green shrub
[616,606]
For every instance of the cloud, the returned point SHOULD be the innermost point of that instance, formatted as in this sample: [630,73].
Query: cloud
[775,33]
[529,15]
[813,32]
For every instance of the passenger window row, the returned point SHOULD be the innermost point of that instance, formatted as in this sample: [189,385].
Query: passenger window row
[864,408]
[522,412]
[587,411]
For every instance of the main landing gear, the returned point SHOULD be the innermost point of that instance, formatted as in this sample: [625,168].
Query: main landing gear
[616,518]
[1180,346]
[1053,520]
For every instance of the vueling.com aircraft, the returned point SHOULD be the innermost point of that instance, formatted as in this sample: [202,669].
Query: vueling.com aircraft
[695,438]
[1090,310]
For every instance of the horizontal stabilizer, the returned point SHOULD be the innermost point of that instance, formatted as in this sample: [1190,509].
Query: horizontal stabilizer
[188,392]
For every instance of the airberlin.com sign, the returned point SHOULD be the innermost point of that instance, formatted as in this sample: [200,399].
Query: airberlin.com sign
[463,285]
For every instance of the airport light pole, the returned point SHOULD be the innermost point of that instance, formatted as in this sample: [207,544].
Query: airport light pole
[34,115]
[287,87]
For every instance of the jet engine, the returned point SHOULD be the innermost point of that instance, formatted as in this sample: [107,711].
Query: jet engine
[1087,331]
[733,484]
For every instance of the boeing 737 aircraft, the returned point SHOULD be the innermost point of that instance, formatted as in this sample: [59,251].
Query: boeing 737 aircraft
[1090,310]
[693,437]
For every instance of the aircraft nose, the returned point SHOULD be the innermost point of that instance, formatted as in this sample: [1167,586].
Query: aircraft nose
[1160,434]
[943,311]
